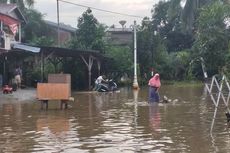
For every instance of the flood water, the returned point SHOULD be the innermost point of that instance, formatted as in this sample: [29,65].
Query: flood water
[117,122]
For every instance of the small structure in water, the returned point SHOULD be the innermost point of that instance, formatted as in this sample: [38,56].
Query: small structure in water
[57,88]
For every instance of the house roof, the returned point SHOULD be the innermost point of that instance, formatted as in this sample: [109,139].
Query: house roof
[120,30]
[19,48]
[66,52]
[61,26]
[25,47]
[11,10]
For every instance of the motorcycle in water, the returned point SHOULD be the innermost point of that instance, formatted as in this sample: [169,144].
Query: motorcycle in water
[106,87]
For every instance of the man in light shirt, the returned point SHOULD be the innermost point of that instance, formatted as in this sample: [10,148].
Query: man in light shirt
[99,81]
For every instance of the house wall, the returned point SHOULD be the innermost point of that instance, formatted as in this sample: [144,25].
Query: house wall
[121,38]
[65,36]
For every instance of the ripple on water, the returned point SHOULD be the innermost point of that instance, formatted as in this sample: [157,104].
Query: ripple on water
[120,124]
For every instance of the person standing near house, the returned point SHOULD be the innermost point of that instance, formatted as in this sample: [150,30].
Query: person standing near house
[154,85]
[18,76]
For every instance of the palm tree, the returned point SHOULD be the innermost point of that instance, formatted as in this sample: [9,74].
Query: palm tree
[23,3]
[190,11]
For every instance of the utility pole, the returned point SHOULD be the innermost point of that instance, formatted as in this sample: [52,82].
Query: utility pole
[135,83]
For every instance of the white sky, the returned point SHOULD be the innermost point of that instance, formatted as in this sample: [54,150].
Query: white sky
[69,13]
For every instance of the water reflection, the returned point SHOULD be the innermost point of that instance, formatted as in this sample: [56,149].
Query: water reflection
[154,116]
[54,125]
[10,121]
[55,134]
[135,101]
[98,101]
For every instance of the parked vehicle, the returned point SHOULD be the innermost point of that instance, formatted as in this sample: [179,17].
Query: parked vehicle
[7,89]
[106,87]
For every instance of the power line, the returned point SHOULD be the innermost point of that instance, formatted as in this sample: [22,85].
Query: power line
[101,9]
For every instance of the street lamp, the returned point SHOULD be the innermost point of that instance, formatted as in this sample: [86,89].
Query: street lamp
[135,83]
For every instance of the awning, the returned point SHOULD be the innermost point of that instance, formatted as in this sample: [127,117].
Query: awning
[26,47]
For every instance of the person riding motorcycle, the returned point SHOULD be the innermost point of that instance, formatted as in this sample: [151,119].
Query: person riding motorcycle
[99,81]
[103,85]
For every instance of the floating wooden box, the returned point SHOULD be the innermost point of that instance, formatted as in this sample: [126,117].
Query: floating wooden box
[53,91]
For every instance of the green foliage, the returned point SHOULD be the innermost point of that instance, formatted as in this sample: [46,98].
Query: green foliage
[167,22]
[227,67]
[121,60]
[179,39]
[212,38]
[159,15]
[42,41]
[35,29]
[89,33]
[175,66]
[190,13]
[145,49]
[164,45]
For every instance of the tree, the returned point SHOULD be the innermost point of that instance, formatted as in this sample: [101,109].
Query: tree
[166,20]
[212,36]
[190,12]
[121,60]
[89,33]
[36,29]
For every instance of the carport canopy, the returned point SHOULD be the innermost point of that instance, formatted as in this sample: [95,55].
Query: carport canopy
[88,56]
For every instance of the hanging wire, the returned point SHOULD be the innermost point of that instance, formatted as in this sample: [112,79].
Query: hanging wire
[98,9]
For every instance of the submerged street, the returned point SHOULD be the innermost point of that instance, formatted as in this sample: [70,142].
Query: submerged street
[114,122]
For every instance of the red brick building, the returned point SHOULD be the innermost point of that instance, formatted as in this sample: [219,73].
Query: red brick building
[66,32]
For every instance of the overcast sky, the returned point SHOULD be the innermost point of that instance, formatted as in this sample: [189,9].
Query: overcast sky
[69,13]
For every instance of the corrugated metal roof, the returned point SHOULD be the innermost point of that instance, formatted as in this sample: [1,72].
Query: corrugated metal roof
[26,47]
[19,48]
[7,9]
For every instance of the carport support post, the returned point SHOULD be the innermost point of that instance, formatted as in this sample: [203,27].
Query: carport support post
[20,32]
[89,65]
[99,67]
